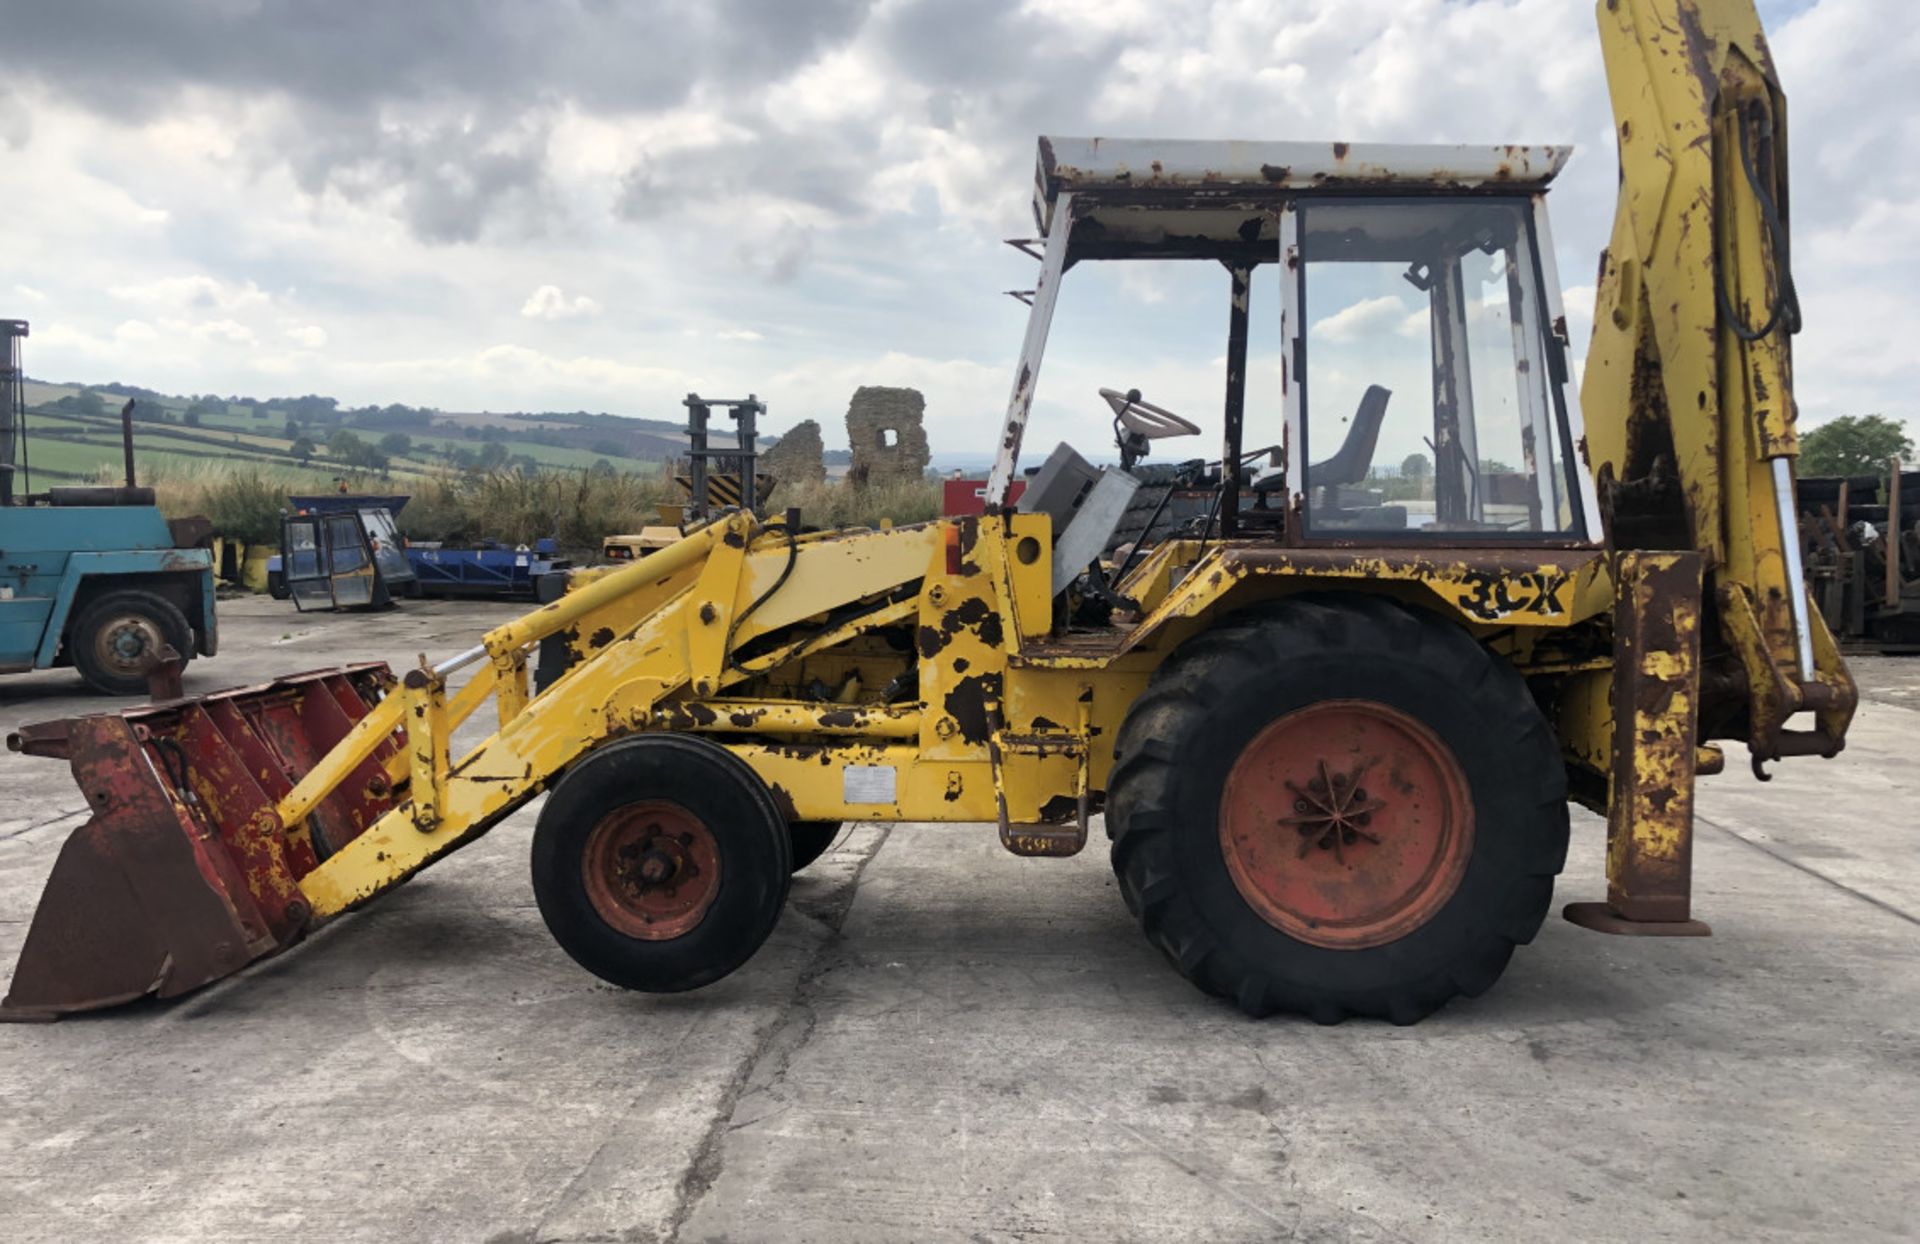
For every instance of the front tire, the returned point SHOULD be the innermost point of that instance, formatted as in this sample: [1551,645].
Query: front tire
[1337,806]
[114,641]
[661,863]
[811,840]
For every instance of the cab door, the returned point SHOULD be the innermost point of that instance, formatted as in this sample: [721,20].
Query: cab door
[303,561]
[327,562]
[349,560]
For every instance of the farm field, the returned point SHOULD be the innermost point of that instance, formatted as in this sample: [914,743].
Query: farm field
[68,445]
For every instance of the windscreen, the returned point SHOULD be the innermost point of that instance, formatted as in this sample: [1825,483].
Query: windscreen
[1427,391]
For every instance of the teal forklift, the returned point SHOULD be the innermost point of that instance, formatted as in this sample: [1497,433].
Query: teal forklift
[93,577]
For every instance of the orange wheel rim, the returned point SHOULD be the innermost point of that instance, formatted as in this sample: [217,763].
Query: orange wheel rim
[652,869]
[1346,824]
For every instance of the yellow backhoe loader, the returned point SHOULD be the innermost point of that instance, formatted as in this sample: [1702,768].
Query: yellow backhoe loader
[1334,728]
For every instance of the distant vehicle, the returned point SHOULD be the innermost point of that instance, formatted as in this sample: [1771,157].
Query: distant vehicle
[486,568]
[93,577]
[338,566]
[341,552]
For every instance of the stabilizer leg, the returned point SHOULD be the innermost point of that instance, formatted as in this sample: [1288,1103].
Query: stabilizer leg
[1656,689]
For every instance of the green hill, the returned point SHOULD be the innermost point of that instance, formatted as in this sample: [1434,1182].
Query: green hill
[74,433]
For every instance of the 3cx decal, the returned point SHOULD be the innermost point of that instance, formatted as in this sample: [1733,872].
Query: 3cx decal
[1491,597]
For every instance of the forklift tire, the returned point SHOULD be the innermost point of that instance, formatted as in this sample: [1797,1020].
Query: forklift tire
[1246,842]
[661,863]
[112,640]
[811,840]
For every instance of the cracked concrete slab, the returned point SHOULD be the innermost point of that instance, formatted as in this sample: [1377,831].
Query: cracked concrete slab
[942,1041]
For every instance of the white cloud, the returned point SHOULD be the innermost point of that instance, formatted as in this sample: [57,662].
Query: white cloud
[844,197]
[196,292]
[222,331]
[548,303]
[135,331]
[1359,321]
[28,293]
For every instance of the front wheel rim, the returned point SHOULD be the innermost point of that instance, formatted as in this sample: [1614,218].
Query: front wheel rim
[1346,824]
[651,870]
[124,645]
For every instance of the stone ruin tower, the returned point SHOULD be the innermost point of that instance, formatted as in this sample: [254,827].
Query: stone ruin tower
[799,457]
[886,429]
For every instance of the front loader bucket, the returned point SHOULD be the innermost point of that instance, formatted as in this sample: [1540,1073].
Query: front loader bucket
[185,873]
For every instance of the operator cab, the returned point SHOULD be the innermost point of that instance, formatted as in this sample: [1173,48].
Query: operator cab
[1424,392]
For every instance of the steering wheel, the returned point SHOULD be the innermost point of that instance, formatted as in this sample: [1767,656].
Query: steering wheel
[1153,422]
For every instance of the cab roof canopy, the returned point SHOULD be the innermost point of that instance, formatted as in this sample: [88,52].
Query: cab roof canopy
[1138,198]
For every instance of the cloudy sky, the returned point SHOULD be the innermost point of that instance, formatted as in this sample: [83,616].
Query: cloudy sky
[498,204]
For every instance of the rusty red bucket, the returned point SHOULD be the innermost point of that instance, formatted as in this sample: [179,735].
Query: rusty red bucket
[185,873]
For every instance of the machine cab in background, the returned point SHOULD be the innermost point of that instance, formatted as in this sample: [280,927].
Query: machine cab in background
[343,555]
[1424,366]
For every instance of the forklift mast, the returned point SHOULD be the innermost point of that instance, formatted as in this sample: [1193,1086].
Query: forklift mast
[13,408]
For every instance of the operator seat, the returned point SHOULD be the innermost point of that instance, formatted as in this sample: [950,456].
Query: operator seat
[1349,466]
[1355,456]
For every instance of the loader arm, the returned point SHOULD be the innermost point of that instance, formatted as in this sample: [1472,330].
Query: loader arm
[224,827]
[1688,392]
[688,643]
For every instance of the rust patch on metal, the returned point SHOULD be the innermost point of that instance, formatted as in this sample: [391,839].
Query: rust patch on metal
[184,874]
[1059,808]
[1700,48]
[967,705]
[1346,824]
[651,870]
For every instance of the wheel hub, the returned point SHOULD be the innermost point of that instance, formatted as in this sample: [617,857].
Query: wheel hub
[124,642]
[651,870]
[1333,813]
[1346,824]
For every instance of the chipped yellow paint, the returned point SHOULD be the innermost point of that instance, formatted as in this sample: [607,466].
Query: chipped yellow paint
[962,703]
[1667,374]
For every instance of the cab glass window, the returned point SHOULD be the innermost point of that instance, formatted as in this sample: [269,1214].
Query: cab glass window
[1430,394]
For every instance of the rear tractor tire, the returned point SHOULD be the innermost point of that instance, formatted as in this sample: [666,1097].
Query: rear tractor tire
[661,863]
[114,641]
[1337,806]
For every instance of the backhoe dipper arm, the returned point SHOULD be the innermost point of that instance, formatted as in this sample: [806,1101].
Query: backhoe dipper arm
[1688,392]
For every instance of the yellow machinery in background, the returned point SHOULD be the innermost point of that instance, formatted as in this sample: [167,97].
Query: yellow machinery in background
[648,540]
[1333,731]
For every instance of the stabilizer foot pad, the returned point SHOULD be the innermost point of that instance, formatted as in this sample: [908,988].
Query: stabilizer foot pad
[1603,919]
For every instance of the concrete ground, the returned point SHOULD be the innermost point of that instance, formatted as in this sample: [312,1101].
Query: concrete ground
[943,1041]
